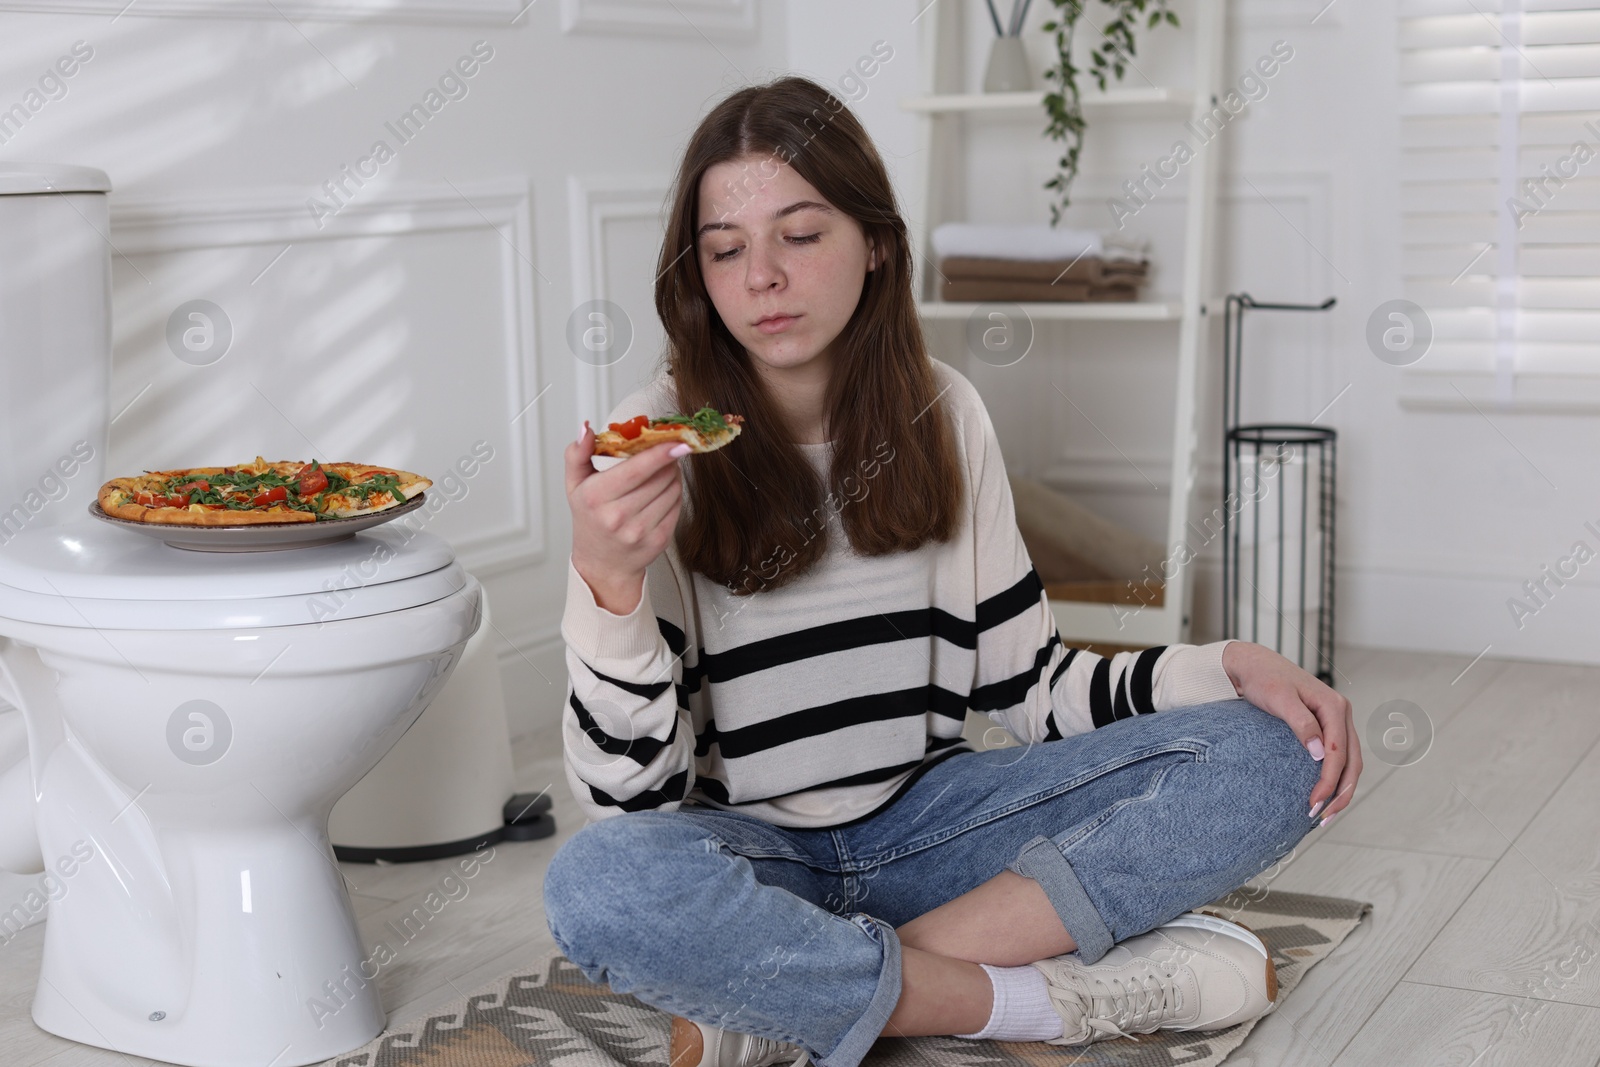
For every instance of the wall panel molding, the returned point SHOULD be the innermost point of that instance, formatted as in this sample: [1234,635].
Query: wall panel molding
[1104,470]
[432,11]
[183,221]
[525,645]
[593,203]
[278,219]
[718,20]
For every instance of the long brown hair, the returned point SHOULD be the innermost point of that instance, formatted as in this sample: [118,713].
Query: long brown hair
[754,515]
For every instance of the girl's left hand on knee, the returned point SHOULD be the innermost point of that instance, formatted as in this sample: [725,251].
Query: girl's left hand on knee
[1320,717]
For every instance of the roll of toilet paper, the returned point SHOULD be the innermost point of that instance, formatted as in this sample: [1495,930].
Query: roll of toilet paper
[1260,566]
[1278,572]
[1285,622]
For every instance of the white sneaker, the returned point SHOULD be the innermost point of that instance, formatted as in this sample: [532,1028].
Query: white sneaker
[1197,972]
[699,1045]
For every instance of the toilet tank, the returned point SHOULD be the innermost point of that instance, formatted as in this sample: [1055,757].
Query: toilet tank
[55,342]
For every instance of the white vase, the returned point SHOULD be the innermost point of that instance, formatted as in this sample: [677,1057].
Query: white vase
[1007,71]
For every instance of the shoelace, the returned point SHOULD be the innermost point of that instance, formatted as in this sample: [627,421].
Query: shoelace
[1115,1006]
[763,1050]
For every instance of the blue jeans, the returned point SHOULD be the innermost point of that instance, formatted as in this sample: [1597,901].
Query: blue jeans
[790,934]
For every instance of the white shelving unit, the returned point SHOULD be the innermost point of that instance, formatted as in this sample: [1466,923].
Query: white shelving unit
[1092,612]
[1144,103]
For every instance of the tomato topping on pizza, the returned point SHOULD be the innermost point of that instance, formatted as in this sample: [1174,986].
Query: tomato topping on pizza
[311,480]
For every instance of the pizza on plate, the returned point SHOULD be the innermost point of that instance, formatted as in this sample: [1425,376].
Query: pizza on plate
[704,431]
[259,492]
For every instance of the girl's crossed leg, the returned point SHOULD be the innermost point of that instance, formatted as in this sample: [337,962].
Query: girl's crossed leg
[832,938]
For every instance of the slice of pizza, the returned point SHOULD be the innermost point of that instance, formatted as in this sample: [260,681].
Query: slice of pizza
[704,431]
[361,489]
[258,493]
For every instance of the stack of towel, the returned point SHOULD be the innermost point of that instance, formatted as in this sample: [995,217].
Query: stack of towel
[1016,263]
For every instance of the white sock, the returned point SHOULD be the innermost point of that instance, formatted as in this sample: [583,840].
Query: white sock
[1022,1009]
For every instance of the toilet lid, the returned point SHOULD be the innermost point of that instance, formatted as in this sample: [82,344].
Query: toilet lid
[88,574]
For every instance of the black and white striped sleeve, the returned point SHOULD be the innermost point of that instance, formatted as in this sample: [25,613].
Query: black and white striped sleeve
[627,742]
[1027,679]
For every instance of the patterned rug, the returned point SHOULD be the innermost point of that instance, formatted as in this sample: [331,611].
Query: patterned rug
[550,1014]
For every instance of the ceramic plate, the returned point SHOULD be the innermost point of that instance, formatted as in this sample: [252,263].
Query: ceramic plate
[262,537]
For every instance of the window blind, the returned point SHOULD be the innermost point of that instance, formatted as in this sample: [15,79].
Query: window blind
[1500,184]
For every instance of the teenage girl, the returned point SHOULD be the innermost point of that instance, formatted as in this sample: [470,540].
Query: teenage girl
[773,647]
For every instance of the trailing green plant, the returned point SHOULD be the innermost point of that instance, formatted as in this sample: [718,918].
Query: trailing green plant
[1110,55]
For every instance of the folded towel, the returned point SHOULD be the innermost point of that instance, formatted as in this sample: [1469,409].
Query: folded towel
[1036,241]
[1003,291]
[1091,269]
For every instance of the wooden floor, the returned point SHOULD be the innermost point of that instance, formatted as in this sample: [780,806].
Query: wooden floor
[1482,861]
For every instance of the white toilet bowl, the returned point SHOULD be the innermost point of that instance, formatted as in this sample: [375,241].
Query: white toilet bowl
[192,719]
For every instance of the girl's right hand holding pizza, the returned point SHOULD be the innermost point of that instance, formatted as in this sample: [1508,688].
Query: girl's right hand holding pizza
[622,517]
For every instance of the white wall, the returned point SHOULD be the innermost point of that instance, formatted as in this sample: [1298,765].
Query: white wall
[427,313]
[1442,515]
[431,312]
[1445,514]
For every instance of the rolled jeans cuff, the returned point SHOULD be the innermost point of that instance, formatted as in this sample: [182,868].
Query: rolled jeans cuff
[1041,860]
[858,1040]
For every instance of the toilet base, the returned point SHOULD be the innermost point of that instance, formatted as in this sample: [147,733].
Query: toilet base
[251,957]
[53,1014]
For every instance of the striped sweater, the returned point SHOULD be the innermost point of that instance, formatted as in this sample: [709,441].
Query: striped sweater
[819,703]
